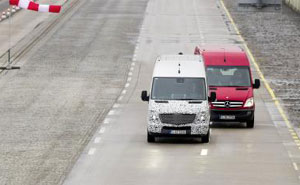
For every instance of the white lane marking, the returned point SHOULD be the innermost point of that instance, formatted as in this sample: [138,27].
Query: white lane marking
[204,152]
[129,79]
[133,59]
[102,130]
[106,121]
[111,112]
[290,154]
[127,85]
[133,63]
[97,140]
[132,68]
[120,98]
[116,105]
[124,91]
[130,74]
[92,151]
[295,166]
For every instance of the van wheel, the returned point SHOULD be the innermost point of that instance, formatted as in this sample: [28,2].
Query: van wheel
[150,139]
[205,138]
[250,123]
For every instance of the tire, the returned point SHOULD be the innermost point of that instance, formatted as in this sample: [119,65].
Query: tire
[150,139]
[205,138]
[250,123]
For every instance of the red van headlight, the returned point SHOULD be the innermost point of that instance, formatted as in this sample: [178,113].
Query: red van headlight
[249,102]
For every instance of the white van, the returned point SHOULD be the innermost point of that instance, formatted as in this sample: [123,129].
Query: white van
[178,100]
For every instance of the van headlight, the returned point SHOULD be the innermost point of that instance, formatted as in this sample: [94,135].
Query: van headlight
[203,116]
[249,102]
[153,116]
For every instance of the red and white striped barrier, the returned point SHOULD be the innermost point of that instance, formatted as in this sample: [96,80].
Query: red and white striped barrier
[30,5]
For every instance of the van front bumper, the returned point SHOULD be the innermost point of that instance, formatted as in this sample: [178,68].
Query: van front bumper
[231,115]
[178,130]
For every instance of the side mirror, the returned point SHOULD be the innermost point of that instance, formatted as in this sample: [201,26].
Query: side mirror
[256,84]
[144,96]
[213,97]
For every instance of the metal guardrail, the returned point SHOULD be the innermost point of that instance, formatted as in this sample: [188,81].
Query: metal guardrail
[295,4]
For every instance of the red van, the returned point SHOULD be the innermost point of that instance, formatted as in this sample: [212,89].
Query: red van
[229,75]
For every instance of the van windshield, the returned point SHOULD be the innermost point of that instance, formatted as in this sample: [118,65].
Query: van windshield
[165,88]
[228,76]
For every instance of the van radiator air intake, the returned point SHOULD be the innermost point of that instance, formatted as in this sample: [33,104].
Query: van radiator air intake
[177,119]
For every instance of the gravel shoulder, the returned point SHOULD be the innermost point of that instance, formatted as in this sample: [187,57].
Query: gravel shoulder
[274,38]
[53,105]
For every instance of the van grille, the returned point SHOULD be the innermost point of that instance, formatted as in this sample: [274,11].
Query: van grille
[177,119]
[228,104]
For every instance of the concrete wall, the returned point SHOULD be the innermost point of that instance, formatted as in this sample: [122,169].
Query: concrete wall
[295,4]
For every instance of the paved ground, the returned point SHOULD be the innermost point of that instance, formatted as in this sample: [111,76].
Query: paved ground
[69,80]
[274,39]
[119,153]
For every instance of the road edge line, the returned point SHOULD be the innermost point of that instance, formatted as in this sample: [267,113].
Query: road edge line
[267,85]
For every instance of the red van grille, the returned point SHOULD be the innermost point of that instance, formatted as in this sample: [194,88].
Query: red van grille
[228,104]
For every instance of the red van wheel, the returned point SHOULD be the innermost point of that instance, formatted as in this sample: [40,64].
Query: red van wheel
[250,123]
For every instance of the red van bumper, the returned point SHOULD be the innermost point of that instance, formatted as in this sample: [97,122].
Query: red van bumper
[232,115]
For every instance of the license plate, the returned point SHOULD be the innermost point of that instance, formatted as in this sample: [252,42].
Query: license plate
[227,117]
[178,132]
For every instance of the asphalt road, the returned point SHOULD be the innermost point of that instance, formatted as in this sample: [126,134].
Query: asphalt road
[68,81]
[118,152]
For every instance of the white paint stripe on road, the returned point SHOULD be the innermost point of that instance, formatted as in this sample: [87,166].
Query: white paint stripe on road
[295,166]
[120,98]
[111,112]
[102,130]
[127,85]
[106,121]
[133,63]
[132,68]
[97,140]
[116,105]
[204,152]
[130,74]
[124,91]
[129,79]
[290,155]
[92,151]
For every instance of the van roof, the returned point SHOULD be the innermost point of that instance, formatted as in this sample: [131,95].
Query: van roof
[225,56]
[179,66]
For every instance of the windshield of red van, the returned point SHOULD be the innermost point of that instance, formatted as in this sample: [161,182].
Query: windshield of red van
[228,76]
